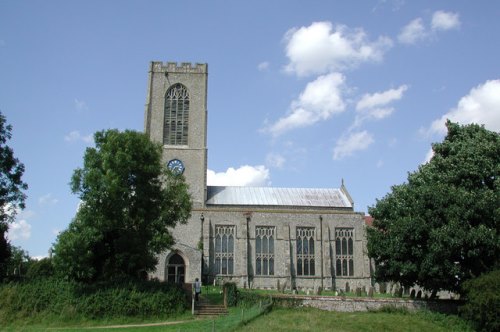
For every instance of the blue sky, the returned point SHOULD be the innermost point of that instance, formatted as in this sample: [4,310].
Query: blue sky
[301,93]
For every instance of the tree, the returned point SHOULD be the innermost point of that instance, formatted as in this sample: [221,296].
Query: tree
[19,262]
[129,200]
[482,301]
[12,197]
[441,228]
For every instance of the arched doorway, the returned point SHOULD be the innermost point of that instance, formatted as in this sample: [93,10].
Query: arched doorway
[176,269]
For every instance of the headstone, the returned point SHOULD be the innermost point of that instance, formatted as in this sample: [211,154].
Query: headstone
[319,290]
[370,292]
[347,288]
[395,290]
[400,292]
[382,288]
[358,291]
[419,294]
[412,294]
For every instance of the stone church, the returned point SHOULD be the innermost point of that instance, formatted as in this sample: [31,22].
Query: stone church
[259,237]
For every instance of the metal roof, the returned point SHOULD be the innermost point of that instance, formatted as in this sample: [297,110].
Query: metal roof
[268,196]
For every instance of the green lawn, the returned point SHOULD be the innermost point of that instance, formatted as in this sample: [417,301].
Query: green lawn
[299,319]
[308,319]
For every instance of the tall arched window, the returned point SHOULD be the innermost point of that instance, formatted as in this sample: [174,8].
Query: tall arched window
[224,249]
[175,129]
[264,250]
[344,251]
[305,251]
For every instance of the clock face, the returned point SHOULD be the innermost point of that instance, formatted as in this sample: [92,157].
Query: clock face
[176,166]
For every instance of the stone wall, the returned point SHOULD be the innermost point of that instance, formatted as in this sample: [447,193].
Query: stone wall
[344,304]
[286,222]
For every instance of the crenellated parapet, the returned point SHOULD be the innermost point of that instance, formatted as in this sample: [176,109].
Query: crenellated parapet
[174,67]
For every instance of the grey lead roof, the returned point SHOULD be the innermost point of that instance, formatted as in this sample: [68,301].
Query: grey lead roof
[268,196]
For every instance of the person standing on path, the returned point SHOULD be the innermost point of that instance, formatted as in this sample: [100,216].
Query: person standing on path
[197,289]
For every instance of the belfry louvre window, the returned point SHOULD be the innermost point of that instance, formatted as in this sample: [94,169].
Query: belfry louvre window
[175,129]
[224,249]
[305,251]
[264,251]
[344,251]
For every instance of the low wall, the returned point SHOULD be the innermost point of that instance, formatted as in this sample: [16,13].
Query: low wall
[346,304]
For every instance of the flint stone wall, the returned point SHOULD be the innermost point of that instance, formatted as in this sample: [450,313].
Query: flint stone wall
[342,304]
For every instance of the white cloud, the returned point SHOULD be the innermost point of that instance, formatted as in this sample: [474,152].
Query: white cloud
[76,136]
[275,160]
[81,105]
[380,98]
[19,230]
[416,30]
[413,32]
[39,257]
[445,21]
[319,101]
[251,176]
[47,199]
[394,4]
[357,141]
[481,106]
[263,66]
[373,106]
[321,48]
[428,156]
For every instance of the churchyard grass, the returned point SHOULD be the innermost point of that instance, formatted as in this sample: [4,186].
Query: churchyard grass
[309,319]
[297,319]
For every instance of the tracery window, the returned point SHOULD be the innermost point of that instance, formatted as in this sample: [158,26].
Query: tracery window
[175,129]
[305,251]
[264,250]
[344,251]
[224,249]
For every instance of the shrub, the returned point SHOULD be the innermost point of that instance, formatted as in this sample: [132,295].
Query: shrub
[40,269]
[482,301]
[131,298]
[248,298]
[231,293]
[72,300]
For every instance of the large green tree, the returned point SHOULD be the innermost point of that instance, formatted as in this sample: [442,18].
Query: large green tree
[12,189]
[129,201]
[441,228]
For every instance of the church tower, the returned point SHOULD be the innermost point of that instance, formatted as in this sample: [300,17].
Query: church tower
[176,117]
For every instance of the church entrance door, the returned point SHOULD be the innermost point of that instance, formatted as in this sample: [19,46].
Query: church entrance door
[176,269]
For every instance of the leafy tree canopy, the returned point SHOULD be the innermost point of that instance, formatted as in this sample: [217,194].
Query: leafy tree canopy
[12,196]
[129,200]
[441,228]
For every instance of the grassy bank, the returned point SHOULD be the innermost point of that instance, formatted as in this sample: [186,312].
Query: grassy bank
[59,302]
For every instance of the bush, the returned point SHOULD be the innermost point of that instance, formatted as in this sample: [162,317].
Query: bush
[131,298]
[482,301]
[72,300]
[232,293]
[40,269]
[248,298]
